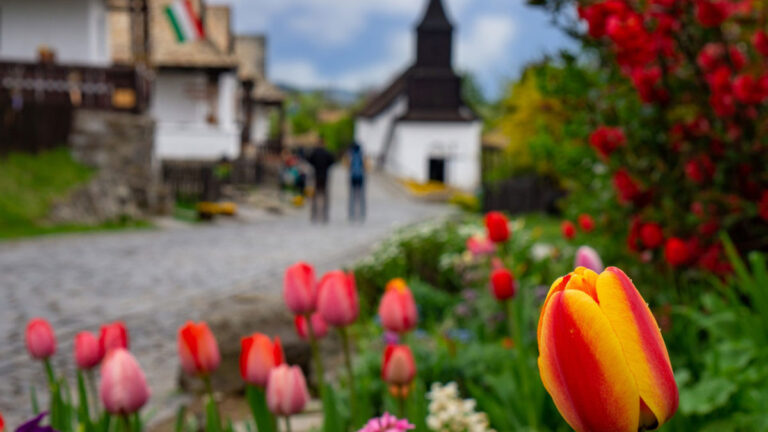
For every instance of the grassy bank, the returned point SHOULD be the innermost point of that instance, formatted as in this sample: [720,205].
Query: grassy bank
[29,184]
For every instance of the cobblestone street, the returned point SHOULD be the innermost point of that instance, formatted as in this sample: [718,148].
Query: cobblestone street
[155,280]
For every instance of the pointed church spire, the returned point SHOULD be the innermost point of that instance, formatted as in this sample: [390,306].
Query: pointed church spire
[435,17]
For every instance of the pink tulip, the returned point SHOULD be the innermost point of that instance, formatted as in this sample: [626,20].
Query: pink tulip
[588,258]
[123,388]
[337,299]
[258,356]
[299,288]
[198,350]
[287,392]
[397,309]
[88,352]
[113,336]
[398,366]
[319,326]
[41,342]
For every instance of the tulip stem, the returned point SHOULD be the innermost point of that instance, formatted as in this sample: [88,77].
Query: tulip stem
[316,356]
[125,423]
[49,373]
[212,400]
[350,371]
[287,424]
[401,407]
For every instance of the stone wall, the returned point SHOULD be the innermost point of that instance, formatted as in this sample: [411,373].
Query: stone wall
[126,185]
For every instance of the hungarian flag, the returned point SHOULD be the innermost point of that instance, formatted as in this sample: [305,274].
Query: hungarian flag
[184,21]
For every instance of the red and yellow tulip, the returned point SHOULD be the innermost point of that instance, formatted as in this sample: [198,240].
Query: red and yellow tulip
[601,354]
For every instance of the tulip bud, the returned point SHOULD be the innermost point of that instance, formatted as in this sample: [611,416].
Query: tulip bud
[398,366]
[497,226]
[588,258]
[198,350]
[676,252]
[601,354]
[337,299]
[113,336]
[503,284]
[397,309]
[319,327]
[258,356]
[88,351]
[287,392]
[41,342]
[123,388]
[299,288]
[568,229]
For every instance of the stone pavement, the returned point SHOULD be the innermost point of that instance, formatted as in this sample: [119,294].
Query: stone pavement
[155,280]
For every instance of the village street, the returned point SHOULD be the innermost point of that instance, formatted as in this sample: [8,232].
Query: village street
[155,280]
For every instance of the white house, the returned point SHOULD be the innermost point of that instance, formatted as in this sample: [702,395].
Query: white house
[195,92]
[75,31]
[419,127]
[260,98]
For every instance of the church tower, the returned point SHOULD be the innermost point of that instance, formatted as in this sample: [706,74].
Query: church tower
[434,89]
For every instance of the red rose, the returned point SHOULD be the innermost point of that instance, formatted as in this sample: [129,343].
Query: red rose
[762,206]
[676,252]
[626,187]
[606,140]
[760,40]
[651,235]
[712,13]
[568,229]
[700,169]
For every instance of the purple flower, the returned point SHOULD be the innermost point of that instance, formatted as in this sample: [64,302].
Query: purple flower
[387,423]
[33,425]
[588,257]
[391,338]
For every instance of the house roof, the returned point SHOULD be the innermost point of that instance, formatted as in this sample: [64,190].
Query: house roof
[215,51]
[382,100]
[266,92]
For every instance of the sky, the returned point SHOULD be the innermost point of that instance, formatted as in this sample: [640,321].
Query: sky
[361,44]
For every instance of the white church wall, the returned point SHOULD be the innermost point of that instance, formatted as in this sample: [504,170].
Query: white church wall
[260,125]
[372,133]
[181,105]
[76,30]
[414,143]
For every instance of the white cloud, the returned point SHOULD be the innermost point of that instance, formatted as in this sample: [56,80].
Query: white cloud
[487,41]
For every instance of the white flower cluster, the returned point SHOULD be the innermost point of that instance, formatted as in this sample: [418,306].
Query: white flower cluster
[449,413]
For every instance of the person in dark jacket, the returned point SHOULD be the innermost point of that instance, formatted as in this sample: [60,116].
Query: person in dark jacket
[321,160]
[356,183]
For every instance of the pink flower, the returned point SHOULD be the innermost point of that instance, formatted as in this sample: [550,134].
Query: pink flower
[480,245]
[123,388]
[287,392]
[318,326]
[337,299]
[113,336]
[299,288]
[397,309]
[41,342]
[198,350]
[88,352]
[387,423]
[588,257]
[258,356]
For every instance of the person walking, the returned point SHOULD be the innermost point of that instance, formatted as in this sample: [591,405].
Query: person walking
[321,160]
[356,183]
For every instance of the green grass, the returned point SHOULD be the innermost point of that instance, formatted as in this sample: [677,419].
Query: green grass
[30,183]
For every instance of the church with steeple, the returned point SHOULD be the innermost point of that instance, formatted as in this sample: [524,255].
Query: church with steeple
[418,127]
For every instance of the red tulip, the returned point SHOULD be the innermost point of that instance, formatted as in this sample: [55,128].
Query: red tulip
[676,252]
[198,350]
[711,13]
[503,284]
[287,392]
[113,336]
[586,223]
[337,299]
[497,226]
[397,309]
[2,423]
[319,326]
[398,366]
[601,354]
[88,352]
[651,235]
[299,288]
[258,356]
[41,342]
[123,388]
[568,229]
[760,40]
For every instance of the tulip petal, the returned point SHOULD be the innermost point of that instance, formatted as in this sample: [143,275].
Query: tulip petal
[583,368]
[641,341]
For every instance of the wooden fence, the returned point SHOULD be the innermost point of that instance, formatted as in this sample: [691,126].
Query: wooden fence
[37,100]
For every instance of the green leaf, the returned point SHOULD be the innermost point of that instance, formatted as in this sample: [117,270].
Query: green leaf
[257,401]
[33,400]
[706,396]
[181,416]
[83,413]
[332,420]
[212,420]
